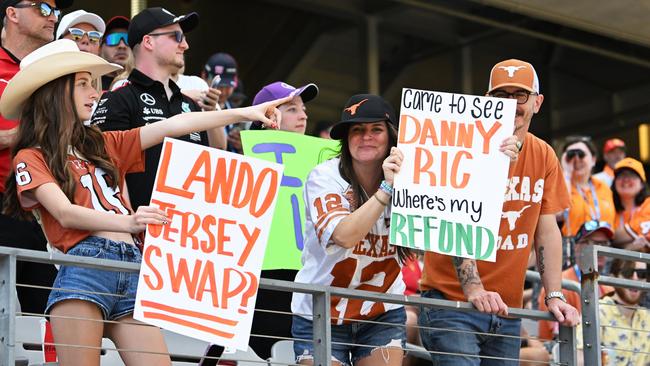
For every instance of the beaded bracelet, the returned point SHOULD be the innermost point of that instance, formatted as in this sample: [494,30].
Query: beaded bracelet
[384,186]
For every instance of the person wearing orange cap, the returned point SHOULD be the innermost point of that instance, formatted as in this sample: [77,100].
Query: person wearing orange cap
[613,152]
[535,193]
[632,201]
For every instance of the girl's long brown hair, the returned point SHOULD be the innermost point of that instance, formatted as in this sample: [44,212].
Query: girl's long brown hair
[347,172]
[49,122]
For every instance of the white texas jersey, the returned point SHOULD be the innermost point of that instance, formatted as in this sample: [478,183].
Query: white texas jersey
[372,265]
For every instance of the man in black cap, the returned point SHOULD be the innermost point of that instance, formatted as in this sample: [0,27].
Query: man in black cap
[26,26]
[220,71]
[115,46]
[157,38]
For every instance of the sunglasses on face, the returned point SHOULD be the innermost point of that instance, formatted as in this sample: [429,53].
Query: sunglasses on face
[45,9]
[179,36]
[77,34]
[114,39]
[629,272]
[570,154]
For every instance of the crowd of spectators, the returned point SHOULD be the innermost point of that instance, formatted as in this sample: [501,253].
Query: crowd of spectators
[148,85]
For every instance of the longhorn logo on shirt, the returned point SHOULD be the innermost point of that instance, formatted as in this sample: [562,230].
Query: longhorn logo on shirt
[511,69]
[513,216]
[353,108]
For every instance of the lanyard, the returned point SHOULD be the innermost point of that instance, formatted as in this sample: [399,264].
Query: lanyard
[595,213]
[578,273]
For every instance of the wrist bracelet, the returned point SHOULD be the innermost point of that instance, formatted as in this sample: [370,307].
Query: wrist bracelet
[384,186]
[380,201]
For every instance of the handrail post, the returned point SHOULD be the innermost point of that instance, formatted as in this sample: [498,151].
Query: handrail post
[588,263]
[7,309]
[322,330]
[568,351]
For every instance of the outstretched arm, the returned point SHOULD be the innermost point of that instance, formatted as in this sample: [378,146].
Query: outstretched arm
[72,216]
[184,123]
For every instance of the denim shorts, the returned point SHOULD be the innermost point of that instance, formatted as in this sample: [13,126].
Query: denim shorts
[113,292]
[369,334]
[464,348]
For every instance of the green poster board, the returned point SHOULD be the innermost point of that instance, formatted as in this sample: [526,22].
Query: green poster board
[299,154]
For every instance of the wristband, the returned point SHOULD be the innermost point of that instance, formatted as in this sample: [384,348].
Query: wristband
[384,186]
[380,201]
[554,295]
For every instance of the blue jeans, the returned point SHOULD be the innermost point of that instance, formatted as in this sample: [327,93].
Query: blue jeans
[95,285]
[369,334]
[442,340]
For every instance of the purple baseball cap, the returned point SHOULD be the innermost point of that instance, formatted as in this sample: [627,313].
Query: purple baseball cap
[280,89]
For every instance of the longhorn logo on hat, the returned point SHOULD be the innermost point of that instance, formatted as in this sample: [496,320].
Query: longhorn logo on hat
[353,108]
[511,69]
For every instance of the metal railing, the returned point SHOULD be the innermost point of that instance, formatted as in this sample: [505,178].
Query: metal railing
[320,294]
[591,279]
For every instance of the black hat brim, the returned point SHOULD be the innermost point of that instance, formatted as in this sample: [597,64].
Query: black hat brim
[188,23]
[338,130]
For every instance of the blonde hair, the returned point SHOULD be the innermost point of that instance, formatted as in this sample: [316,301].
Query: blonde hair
[129,65]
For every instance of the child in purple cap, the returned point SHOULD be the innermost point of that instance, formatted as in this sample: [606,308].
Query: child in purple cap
[294,119]
[294,116]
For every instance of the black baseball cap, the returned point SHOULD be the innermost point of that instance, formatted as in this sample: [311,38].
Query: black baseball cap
[362,108]
[60,4]
[151,19]
[225,66]
[117,21]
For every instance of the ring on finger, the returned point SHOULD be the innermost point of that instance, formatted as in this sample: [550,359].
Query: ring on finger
[519,145]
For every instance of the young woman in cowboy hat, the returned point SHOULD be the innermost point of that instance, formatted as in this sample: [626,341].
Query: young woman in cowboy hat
[69,176]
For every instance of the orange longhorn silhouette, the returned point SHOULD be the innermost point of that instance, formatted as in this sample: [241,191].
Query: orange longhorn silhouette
[353,108]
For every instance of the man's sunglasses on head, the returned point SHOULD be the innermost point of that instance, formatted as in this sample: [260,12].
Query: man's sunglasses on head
[179,36]
[93,36]
[45,9]
[114,39]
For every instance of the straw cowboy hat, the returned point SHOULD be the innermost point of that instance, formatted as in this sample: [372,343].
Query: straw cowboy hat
[55,59]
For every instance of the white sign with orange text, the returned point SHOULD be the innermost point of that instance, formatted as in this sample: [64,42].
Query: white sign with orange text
[200,272]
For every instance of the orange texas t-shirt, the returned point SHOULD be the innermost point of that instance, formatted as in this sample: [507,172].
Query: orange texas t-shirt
[535,187]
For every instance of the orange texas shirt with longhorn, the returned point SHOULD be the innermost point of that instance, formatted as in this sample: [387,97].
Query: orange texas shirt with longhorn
[535,187]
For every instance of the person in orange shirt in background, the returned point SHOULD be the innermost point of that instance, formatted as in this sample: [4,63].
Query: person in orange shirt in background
[613,152]
[590,233]
[591,199]
[632,201]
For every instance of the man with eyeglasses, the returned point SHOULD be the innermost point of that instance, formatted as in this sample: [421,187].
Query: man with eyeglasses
[115,46]
[535,192]
[623,324]
[27,25]
[157,39]
[590,233]
[86,29]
